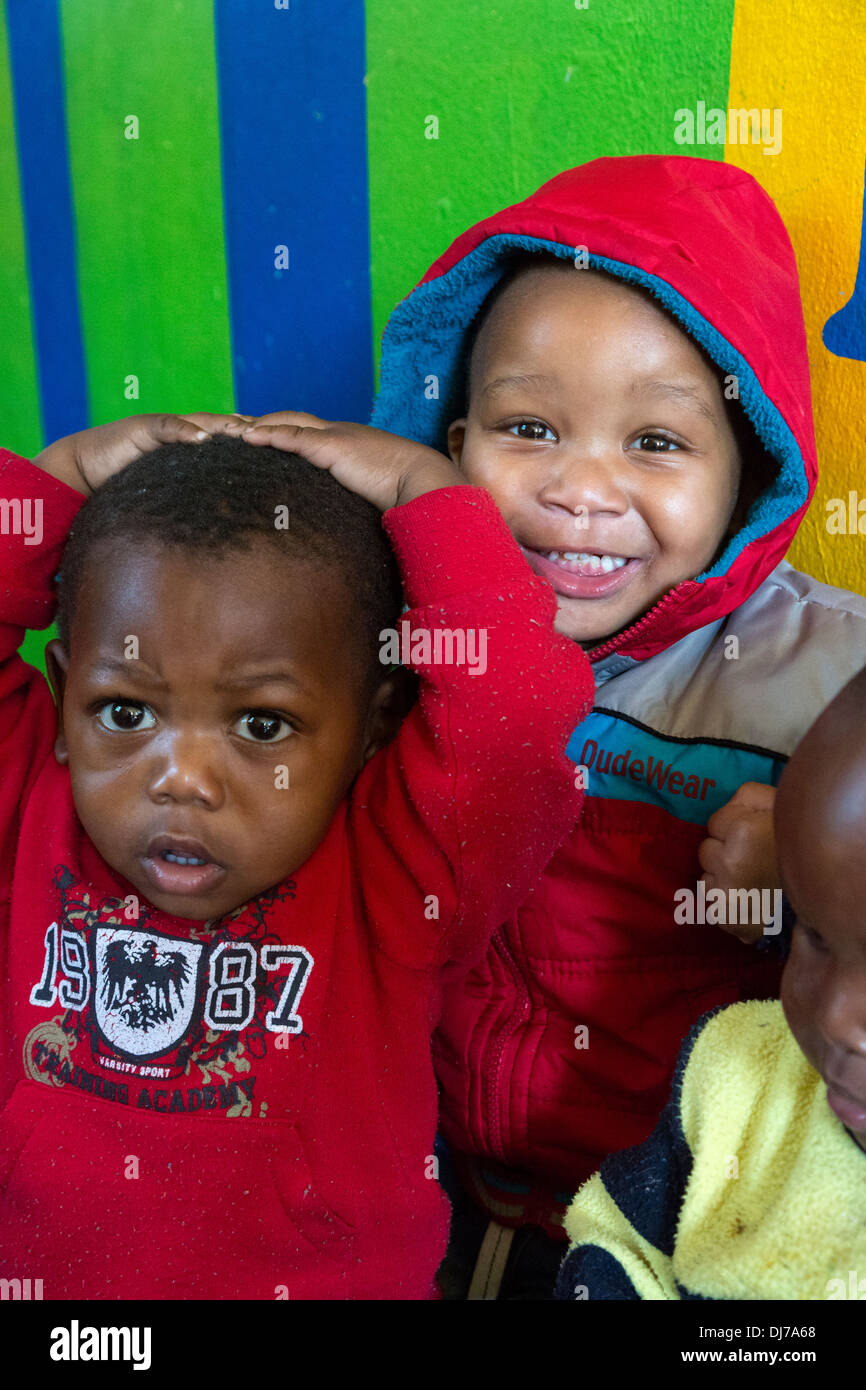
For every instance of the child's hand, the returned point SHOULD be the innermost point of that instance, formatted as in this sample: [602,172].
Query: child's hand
[740,850]
[86,459]
[382,467]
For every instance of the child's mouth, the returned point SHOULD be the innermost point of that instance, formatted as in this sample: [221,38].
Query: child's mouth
[177,864]
[582,574]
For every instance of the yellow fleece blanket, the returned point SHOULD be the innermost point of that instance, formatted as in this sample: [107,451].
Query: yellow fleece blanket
[750,1187]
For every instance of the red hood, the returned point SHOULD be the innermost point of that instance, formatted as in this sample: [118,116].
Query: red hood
[707,241]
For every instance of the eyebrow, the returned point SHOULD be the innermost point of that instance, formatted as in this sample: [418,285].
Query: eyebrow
[252,679]
[243,681]
[688,396]
[506,383]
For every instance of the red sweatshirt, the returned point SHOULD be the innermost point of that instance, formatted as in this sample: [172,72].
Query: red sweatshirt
[246,1108]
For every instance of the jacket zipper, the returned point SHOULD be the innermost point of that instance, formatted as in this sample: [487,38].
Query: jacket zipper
[615,643]
[493,1069]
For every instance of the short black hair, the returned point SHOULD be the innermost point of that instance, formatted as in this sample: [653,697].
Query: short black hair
[222,495]
[759,467]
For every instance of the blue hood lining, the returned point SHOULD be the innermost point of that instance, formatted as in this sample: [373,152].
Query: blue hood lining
[423,351]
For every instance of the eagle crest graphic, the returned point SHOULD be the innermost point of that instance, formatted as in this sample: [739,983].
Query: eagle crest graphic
[148,985]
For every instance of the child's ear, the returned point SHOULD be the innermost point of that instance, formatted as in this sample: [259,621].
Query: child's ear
[392,701]
[57,669]
[456,436]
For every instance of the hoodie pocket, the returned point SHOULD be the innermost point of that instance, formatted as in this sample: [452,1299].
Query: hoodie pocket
[299,1194]
[118,1203]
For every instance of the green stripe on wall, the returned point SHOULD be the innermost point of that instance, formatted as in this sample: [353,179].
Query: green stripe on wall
[523,89]
[21,428]
[151,251]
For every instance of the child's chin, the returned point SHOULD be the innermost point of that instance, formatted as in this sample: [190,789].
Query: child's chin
[175,905]
[573,621]
[199,907]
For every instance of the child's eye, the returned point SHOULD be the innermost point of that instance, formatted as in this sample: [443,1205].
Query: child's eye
[125,716]
[263,726]
[534,430]
[656,443]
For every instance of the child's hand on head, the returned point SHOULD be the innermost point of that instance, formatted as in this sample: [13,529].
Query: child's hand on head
[385,468]
[88,458]
[740,849]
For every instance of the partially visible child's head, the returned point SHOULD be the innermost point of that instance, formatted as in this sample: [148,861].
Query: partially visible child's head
[217,671]
[820,825]
[602,430]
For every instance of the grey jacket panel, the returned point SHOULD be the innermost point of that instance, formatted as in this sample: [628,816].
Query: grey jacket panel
[797,643]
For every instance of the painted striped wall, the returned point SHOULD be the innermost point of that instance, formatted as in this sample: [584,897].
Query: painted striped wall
[155,153]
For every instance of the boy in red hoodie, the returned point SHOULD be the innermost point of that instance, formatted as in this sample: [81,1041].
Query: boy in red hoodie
[621,361]
[227,905]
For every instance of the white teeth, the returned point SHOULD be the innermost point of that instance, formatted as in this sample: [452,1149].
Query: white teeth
[181,859]
[603,563]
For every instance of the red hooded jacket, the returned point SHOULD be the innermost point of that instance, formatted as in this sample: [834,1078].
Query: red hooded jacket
[560,1046]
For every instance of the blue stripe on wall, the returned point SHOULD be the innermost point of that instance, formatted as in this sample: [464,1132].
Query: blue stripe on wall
[302,337]
[36,64]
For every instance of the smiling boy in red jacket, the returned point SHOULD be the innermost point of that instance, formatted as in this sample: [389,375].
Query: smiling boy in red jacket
[620,360]
[227,899]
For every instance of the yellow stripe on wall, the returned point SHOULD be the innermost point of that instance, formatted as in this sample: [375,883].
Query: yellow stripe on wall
[809,60]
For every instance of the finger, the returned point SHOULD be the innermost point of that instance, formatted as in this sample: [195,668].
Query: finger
[708,880]
[754,796]
[711,856]
[106,449]
[115,445]
[294,417]
[232,425]
[739,819]
[722,821]
[168,429]
[736,835]
[313,443]
[744,840]
[219,424]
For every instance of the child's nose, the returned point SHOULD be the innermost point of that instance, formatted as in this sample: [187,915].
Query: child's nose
[185,770]
[588,479]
